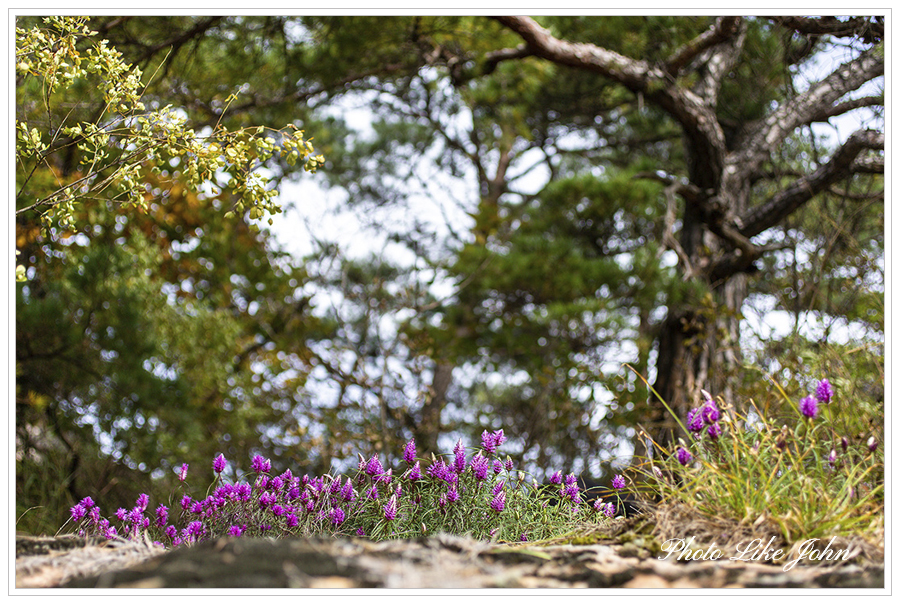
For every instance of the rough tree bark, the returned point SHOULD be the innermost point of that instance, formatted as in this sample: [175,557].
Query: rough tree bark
[719,218]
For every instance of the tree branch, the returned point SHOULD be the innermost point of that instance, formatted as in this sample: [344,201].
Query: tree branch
[631,73]
[867,30]
[806,108]
[787,201]
[721,30]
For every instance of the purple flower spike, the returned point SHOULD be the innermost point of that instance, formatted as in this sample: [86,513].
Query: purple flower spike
[409,452]
[710,413]
[498,503]
[684,456]
[480,466]
[235,531]
[260,464]
[162,515]
[872,444]
[182,474]
[824,392]
[610,510]
[618,482]
[452,494]
[695,420]
[337,516]
[556,478]
[487,442]
[374,467]
[714,431]
[459,460]
[142,501]
[416,472]
[219,464]
[87,503]
[390,510]
[832,456]
[78,512]
[809,407]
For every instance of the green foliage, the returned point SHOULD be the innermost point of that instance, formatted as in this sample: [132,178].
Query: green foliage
[124,141]
[774,465]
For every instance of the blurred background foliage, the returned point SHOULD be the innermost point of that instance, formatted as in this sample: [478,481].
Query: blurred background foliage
[148,339]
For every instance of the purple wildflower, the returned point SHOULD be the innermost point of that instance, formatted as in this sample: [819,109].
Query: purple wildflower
[498,466]
[195,528]
[292,520]
[94,514]
[610,510]
[121,513]
[570,479]
[235,531]
[111,533]
[710,413]
[390,510]
[162,515]
[136,516]
[267,499]
[277,510]
[872,444]
[337,516]
[459,461]
[695,420]
[142,501]
[372,493]
[347,492]
[523,537]
[415,473]
[572,492]
[480,466]
[409,451]
[844,443]
[197,507]
[374,467]
[498,503]
[452,494]
[487,442]
[78,512]
[171,532]
[360,532]
[260,464]
[809,407]
[556,478]
[219,464]
[87,503]
[832,456]
[508,464]
[243,491]
[182,474]
[276,483]
[714,431]
[618,482]
[498,487]
[824,392]
[684,456]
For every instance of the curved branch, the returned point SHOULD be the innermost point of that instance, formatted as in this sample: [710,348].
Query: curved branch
[842,164]
[631,73]
[806,108]
[721,30]
[862,27]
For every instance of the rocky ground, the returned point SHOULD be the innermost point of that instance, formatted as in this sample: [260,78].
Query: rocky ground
[435,562]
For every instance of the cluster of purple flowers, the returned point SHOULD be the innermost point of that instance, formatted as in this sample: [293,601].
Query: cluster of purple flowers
[809,406]
[364,505]
[706,416]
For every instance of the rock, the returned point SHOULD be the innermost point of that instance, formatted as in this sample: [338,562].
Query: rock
[435,562]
